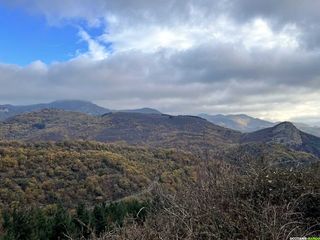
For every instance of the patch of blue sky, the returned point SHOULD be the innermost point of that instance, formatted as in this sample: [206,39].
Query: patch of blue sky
[25,38]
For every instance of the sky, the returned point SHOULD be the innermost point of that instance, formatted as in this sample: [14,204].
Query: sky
[180,56]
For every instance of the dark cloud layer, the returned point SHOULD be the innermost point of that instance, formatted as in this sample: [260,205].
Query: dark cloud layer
[305,14]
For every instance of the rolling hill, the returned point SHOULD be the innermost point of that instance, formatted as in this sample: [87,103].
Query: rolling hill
[158,130]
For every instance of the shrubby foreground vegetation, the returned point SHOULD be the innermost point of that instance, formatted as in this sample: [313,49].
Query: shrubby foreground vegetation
[225,203]
[189,199]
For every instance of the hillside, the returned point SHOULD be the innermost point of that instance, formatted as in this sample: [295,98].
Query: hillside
[157,130]
[73,172]
[87,172]
[286,134]
[50,125]
[264,155]
[186,132]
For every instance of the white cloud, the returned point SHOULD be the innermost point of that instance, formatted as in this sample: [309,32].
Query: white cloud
[96,51]
[151,38]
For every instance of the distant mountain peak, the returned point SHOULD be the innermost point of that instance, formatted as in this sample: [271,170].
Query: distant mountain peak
[8,111]
[70,100]
[286,126]
[145,110]
[283,133]
[286,133]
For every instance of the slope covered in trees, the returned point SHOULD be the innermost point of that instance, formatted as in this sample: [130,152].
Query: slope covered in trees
[41,174]
[186,132]
[152,130]
[70,173]
[286,134]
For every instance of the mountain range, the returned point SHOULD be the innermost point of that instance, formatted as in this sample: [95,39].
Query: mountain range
[82,120]
[7,111]
[158,130]
[245,123]
[188,133]
[238,122]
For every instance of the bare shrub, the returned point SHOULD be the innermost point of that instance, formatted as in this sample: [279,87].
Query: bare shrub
[226,203]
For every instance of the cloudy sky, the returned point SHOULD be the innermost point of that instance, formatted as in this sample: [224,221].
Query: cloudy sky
[179,56]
